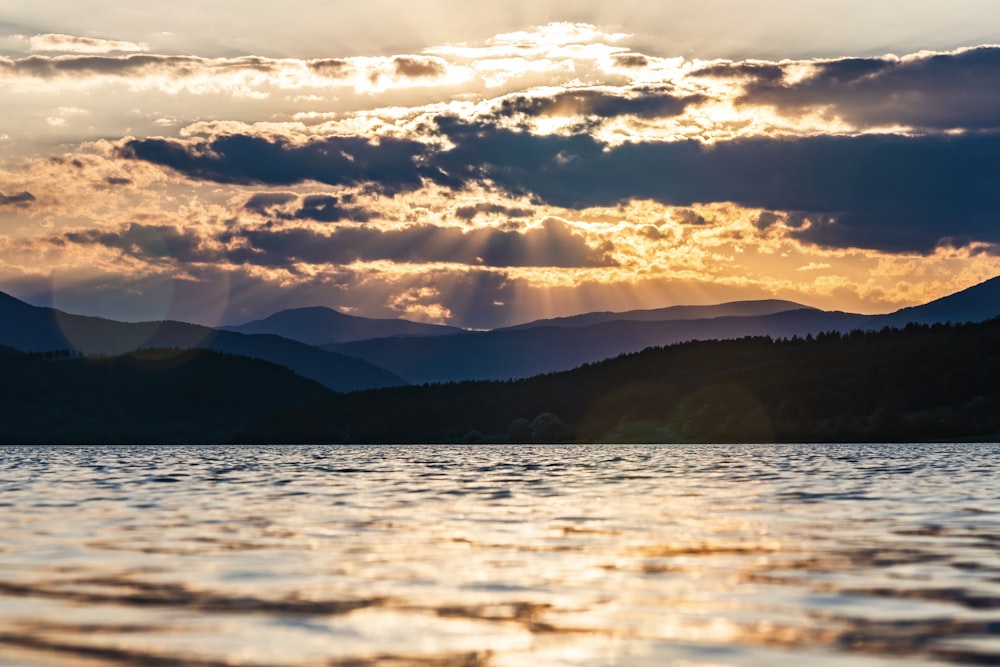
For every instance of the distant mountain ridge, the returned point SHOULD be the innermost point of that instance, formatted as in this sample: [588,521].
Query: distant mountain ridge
[421,353]
[318,325]
[729,309]
[519,353]
[30,328]
[875,383]
[549,346]
[974,304]
[916,384]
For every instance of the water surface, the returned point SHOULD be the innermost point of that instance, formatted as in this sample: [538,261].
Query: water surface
[500,556]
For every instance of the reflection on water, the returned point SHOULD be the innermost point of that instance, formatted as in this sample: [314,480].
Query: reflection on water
[500,556]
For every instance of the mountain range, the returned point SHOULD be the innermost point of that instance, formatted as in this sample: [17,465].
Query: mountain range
[559,344]
[672,313]
[787,372]
[348,353]
[519,353]
[28,328]
[915,384]
[975,304]
[318,325]
[147,396]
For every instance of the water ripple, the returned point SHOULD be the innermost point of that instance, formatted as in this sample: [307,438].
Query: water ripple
[485,556]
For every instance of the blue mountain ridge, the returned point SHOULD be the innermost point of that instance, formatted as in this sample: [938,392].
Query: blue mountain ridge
[30,328]
[555,345]
[728,309]
[421,353]
[318,325]
[976,304]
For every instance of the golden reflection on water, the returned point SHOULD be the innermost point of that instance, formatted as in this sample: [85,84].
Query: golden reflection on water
[499,556]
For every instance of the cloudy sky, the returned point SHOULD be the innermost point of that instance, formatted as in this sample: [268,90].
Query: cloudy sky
[487,165]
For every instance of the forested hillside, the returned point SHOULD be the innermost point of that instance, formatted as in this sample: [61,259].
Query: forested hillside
[917,383]
[149,396]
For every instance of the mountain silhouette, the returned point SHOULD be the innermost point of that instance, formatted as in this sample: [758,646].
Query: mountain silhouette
[548,346]
[915,384]
[319,325]
[975,304]
[36,329]
[729,309]
[523,352]
[148,396]
[792,375]
[422,353]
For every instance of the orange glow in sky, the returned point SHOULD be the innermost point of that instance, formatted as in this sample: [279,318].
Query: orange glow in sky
[537,171]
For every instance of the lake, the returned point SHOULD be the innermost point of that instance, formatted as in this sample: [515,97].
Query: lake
[500,556]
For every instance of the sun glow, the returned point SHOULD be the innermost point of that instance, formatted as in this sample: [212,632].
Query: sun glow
[464,206]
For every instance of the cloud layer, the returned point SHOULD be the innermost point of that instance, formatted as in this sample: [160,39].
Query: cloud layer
[20,199]
[545,171]
[928,92]
[887,192]
[73,44]
[390,164]
[551,244]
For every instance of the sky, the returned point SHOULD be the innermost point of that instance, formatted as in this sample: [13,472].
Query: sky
[487,165]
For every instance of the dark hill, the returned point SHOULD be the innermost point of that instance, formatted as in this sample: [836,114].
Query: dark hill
[916,384]
[151,396]
[8,352]
[555,345]
[319,326]
[34,329]
[975,304]
[520,353]
[730,309]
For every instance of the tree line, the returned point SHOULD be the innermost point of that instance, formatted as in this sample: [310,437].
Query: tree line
[918,383]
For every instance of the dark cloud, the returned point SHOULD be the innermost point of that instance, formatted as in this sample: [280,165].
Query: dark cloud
[655,233]
[470,212]
[552,244]
[146,241]
[319,207]
[390,163]
[21,199]
[882,191]
[512,159]
[327,208]
[799,220]
[890,192]
[418,68]
[686,216]
[118,180]
[753,71]
[642,102]
[331,67]
[938,92]
[61,42]
[264,203]
[767,219]
[133,65]
[631,60]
